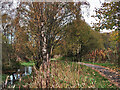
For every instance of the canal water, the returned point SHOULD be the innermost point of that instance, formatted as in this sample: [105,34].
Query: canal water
[23,71]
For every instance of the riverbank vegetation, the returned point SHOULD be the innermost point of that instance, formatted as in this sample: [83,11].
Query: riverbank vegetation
[62,73]
[28,63]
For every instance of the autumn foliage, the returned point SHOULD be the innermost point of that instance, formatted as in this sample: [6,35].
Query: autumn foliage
[101,55]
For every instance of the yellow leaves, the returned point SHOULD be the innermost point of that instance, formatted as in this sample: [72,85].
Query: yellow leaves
[114,36]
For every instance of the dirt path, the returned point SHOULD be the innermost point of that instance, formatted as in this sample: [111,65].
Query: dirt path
[112,76]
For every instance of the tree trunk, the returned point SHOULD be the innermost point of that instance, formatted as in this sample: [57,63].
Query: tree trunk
[118,41]
[46,57]
[119,48]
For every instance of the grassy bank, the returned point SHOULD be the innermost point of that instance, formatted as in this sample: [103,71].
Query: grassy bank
[109,65]
[27,63]
[66,74]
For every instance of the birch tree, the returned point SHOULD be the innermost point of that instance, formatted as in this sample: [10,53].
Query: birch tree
[45,21]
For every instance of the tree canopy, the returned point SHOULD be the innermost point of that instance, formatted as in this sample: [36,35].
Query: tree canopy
[109,17]
[79,40]
[37,27]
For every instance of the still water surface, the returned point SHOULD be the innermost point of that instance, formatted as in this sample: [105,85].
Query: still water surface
[23,71]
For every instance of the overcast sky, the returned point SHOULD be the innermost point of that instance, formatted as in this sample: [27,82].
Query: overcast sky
[93,4]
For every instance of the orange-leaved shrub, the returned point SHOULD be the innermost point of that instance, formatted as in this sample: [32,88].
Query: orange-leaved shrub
[101,55]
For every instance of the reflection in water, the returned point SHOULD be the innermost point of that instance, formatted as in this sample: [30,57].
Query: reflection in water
[17,75]
[25,70]
[29,70]
[18,70]
[11,79]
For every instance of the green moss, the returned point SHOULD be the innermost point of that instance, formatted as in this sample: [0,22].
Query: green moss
[27,63]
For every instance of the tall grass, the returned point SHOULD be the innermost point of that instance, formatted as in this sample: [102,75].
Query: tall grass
[64,74]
